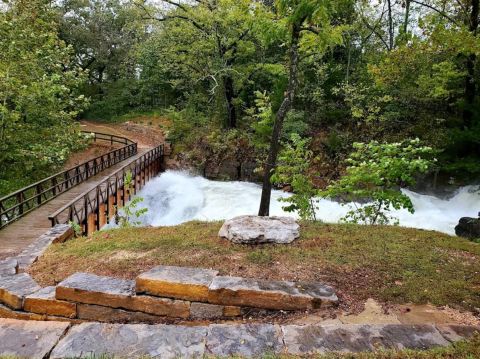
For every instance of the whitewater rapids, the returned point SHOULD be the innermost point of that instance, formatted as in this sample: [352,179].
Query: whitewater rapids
[175,197]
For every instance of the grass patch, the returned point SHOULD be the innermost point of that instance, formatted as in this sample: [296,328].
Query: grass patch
[390,264]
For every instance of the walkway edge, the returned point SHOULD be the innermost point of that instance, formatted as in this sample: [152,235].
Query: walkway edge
[248,340]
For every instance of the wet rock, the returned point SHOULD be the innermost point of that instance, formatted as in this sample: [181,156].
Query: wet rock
[176,282]
[357,338]
[14,288]
[29,339]
[270,294]
[468,227]
[44,302]
[132,341]
[257,230]
[117,293]
[8,267]
[248,340]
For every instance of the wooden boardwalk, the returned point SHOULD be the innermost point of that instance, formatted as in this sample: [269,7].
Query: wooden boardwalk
[18,235]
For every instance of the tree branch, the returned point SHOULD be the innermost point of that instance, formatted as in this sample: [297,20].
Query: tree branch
[452,20]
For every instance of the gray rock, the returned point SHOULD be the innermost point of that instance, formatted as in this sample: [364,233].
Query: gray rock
[455,333]
[29,339]
[132,341]
[280,295]
[244,340]
[8,266]
[14,288]
[359,337]
[257,230]
[205,311]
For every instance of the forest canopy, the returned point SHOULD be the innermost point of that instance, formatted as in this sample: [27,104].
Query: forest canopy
[229,74]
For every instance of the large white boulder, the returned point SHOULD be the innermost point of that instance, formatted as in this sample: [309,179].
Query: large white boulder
[256,230]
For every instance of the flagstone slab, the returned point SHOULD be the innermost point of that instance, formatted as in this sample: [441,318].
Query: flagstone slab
[132,341]
[44,302]
[246,340]
[98,313]
[176,282]
[117,293]
[14,288]
[454,332]
[357,337]
[8,267]
[278,295]
[29,339]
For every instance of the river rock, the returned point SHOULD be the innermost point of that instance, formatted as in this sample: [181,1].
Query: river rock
[468,227]
[257,230]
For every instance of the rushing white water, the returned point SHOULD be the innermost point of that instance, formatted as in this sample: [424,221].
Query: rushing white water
[176,197]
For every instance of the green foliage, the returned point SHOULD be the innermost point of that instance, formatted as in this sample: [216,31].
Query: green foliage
[39,94]
[293,164]
[127,215]
[375,173]
[77,229]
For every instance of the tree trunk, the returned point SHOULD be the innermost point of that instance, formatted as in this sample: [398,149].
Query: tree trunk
[229,96]
[470,85]
[407,16]
[390,25]
[271,163]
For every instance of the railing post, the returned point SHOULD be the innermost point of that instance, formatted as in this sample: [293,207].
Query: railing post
[20,199]
[38,192]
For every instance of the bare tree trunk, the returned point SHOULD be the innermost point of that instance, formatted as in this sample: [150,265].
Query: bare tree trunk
[229,96]
[271,163]
[470,85]
[407,16]
[390,25]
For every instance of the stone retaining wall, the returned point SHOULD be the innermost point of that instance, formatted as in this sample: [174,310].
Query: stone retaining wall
[164,292]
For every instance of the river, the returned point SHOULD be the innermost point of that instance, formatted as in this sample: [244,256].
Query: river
[175,197]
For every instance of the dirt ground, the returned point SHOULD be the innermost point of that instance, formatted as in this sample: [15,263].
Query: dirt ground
[145,136]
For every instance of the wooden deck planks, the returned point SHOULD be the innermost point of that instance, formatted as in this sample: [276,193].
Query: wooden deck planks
[18,235]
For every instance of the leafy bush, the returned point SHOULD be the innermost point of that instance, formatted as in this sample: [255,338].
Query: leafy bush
[129,213]
[293,164]
[375,173]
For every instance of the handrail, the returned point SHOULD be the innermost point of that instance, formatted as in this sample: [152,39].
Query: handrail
[17,204]
[80,208]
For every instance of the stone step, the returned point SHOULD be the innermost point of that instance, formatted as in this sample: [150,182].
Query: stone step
[279,295]
[176,282]
[44,302]
[117,293]
[27,339]
[203,285]
[14,288]
[8,266]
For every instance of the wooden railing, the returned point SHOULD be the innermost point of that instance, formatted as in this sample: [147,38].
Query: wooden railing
[97,207]
[19,203]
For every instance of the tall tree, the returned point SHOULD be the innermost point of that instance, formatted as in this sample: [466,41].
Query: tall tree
[223,44]
[38,93]
[308,23]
